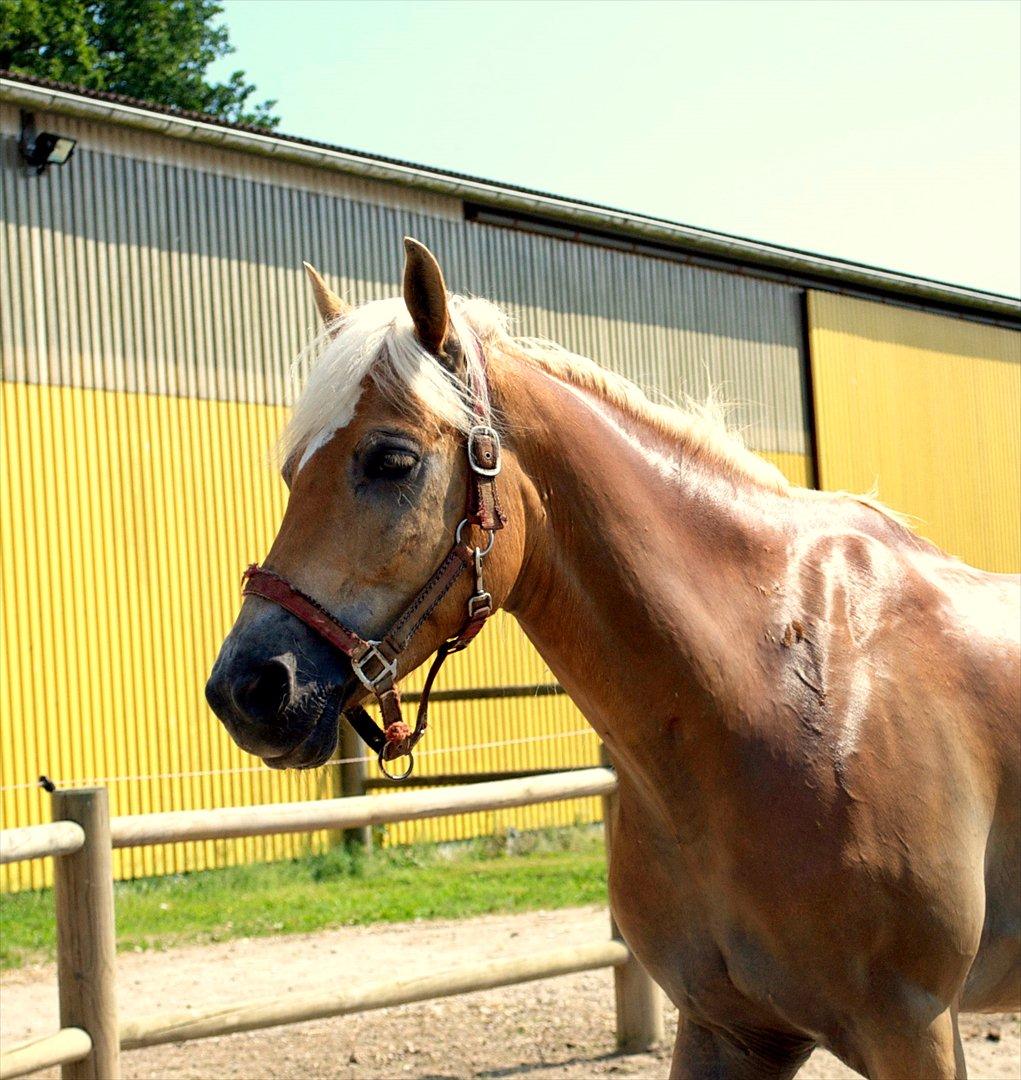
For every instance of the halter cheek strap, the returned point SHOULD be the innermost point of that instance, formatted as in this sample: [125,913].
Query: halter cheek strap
[375,662]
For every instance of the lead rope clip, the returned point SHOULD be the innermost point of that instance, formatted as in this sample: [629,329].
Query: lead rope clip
[480,599]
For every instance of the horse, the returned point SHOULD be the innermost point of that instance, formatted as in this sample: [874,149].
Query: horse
[813,713]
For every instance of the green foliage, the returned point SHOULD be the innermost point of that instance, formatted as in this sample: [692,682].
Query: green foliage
[157,50]
[338,887]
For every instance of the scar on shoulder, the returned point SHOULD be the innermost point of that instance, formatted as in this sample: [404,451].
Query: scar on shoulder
[794,632]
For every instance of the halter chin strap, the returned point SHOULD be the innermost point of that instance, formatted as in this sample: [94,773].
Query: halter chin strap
[375,662]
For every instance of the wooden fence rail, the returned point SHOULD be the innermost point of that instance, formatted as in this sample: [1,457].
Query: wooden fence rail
[358,811]
[68,1045]
[37,841]
[297,1008]
[82,838]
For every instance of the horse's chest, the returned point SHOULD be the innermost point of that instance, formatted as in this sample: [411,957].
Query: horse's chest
[661,895]
[691,950]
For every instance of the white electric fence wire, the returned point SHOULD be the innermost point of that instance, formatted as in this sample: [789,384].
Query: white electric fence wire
[90,781]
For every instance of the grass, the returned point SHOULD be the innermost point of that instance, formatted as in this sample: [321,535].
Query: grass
[521,872]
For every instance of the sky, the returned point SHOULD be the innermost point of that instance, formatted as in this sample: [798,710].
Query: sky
[884,132]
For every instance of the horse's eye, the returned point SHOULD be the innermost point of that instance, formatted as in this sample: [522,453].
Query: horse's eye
[390,464]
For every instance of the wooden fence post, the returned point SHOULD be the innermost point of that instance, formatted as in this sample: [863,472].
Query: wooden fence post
[86,941]
[352,782]
[639,1000]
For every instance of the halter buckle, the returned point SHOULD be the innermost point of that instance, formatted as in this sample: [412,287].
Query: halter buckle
[387,668]
[477,456]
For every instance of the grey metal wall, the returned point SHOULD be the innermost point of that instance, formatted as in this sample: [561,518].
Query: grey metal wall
[129,272]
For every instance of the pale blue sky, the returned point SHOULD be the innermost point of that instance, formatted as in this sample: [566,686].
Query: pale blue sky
[886,132]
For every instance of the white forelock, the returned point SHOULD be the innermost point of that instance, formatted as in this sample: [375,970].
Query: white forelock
[377,340]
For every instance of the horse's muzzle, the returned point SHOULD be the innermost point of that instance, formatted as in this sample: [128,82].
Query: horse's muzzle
[277,688]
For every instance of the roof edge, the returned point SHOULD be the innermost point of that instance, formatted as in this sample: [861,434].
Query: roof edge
[747,253]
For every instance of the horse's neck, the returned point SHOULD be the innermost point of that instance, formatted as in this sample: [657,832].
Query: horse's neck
[646,569]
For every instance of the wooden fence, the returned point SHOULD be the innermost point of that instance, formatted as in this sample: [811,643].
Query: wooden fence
[82,837]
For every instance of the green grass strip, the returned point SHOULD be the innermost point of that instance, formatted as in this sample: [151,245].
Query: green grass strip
[558,868]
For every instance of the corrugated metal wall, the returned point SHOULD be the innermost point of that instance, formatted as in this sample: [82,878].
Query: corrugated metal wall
[154,301]
[926,410]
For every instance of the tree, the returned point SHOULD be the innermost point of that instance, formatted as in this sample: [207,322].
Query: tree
[157,50]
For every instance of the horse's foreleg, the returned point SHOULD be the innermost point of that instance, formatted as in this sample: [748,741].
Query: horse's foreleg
[702,1053]
[935,1051]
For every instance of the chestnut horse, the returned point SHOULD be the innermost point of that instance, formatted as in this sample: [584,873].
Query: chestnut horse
[813,713]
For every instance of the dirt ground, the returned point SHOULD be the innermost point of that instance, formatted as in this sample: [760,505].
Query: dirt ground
[557,1029]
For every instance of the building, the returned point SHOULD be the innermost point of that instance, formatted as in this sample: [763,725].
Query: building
[153,300]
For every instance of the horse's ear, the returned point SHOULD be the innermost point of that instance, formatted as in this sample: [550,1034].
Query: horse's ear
[328,303]
[426,295]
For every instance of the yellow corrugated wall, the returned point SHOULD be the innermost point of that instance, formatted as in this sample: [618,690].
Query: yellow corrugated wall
[125,528]
[925,409]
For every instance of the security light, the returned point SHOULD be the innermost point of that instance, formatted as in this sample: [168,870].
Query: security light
[43,148]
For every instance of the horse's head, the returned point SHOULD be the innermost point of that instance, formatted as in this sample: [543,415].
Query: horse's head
[374,457]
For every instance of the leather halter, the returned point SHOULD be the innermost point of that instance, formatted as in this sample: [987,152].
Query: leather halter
[375,662]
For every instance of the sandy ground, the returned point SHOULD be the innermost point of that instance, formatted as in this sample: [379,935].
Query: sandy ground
[557,1029]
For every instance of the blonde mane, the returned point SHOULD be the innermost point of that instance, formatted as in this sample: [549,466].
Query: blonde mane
[699,427]
[377,340]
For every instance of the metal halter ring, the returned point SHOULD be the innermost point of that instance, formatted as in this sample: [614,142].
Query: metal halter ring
[394,776]
[460,529]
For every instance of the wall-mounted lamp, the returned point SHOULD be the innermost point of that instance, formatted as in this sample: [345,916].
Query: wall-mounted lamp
[43,148]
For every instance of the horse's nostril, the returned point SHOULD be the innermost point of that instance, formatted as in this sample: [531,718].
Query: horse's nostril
[265,696]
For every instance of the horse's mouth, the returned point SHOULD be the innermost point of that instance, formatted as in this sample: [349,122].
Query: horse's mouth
[316,748]
[312,752]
